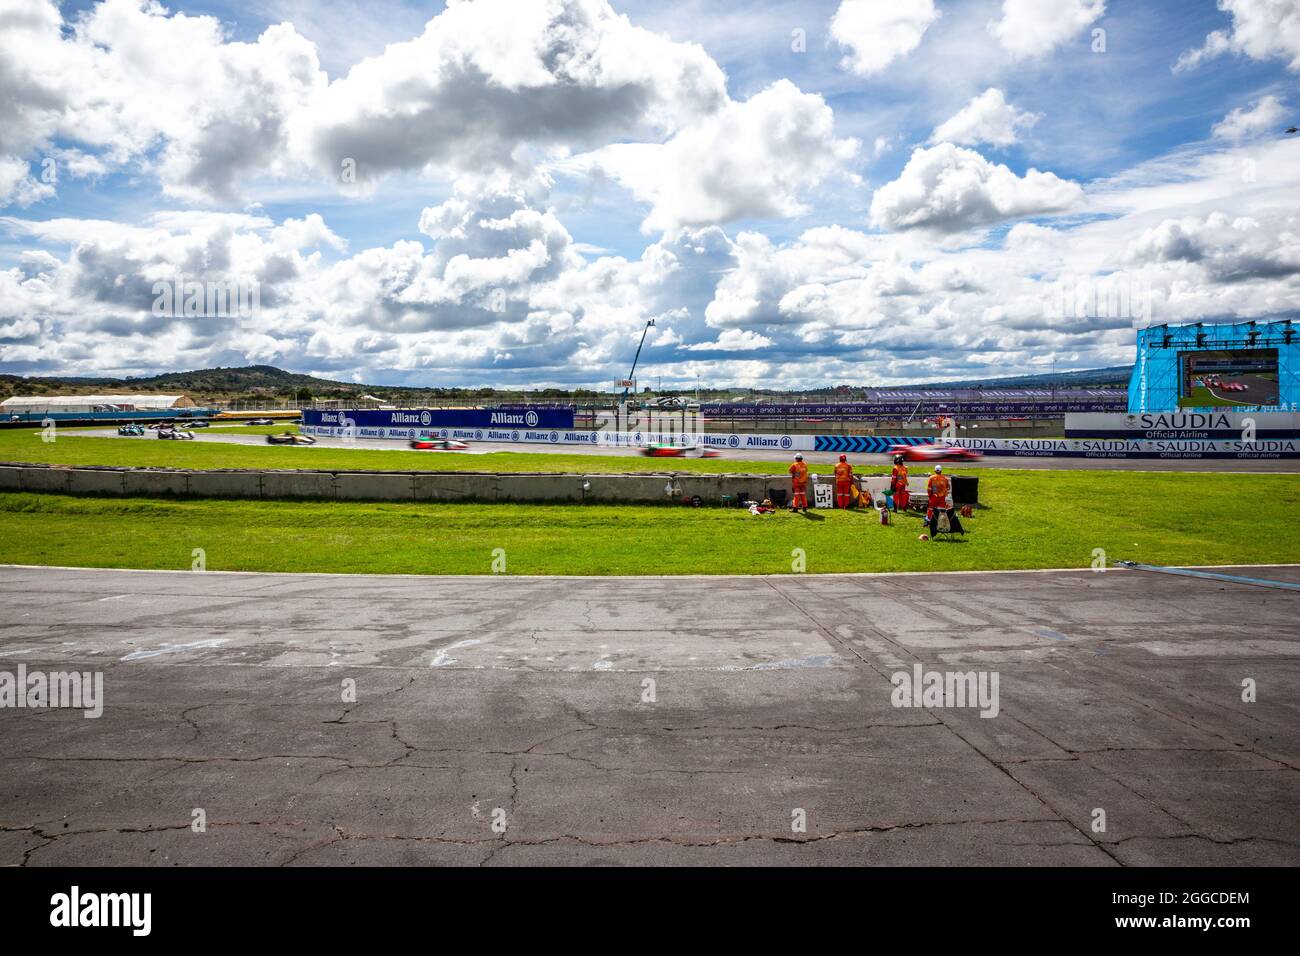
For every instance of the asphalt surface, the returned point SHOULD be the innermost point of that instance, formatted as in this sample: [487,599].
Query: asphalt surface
[525,701]
[1248,466]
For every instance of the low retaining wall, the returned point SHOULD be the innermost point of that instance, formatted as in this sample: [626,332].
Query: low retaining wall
[649,488]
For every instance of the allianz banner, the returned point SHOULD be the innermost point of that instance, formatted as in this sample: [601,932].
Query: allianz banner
[407,418]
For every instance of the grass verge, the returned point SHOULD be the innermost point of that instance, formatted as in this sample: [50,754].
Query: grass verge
[1032,520]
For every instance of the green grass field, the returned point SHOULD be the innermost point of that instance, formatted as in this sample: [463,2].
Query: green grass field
[1032,520]
[25,445]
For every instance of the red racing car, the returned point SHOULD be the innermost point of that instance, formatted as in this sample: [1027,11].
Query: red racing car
[934,453]
[438,444]
[664,450]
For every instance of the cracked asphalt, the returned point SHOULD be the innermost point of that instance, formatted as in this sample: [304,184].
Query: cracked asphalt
[646,720]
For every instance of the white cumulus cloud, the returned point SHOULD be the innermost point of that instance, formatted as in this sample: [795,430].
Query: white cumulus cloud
[877,33]
[1264,115]
[1261,30]
[950,189]
[751,159]
[1030,28]
[988,118]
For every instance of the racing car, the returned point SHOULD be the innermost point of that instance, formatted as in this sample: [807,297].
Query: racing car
[259,421]
[666,450]
[933,453]
[289,438]
[438,444]
[176,434]
[130,429]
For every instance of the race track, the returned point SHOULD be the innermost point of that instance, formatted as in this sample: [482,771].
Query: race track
[646,720]
[1248,466]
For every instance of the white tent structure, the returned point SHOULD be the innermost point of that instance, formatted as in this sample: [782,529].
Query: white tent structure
[73,404]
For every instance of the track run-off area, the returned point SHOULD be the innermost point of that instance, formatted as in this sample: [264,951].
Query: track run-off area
[318,719]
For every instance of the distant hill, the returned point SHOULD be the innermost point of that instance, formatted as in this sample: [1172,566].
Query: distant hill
[263,380]
[255,383]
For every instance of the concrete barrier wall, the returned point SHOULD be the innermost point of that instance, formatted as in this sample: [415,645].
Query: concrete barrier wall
[89,481]
[381,487]
[141,482]
[394,486]
[297,484]
[541,487]
[226,484]
[44,479]
[454,487]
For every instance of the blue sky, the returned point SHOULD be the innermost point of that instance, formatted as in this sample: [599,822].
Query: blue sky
[798,193]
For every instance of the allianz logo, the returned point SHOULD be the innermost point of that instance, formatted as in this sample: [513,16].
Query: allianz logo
[410,418]
[527,419]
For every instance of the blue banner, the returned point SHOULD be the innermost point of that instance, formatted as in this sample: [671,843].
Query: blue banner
[864,444]
[503,417]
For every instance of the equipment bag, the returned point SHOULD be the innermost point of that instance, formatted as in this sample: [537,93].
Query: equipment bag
[942,524]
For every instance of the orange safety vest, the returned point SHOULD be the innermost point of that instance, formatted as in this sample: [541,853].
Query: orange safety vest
[899,481]
[799,474]
[843,472]
[937,486]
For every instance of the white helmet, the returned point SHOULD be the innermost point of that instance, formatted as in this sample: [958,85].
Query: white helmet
[938,469]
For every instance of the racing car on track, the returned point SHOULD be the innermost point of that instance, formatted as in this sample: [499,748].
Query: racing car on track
[289,438]
[438,444]
[130,429]
[933,453]
[259,421]
[176,434]
[666,450]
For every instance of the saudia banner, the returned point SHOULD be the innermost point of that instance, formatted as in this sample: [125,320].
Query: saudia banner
[408,418]
[1185,425]
[1140,448]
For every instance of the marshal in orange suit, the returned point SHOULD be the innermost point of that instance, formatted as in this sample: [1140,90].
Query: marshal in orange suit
[843,482]
[799,484]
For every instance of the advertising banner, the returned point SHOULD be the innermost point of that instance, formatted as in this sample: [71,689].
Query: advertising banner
[1186,425]
[562,436]
[406,418]
[867,410]
[1118,448]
